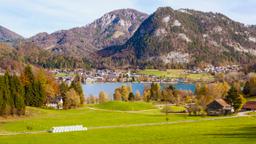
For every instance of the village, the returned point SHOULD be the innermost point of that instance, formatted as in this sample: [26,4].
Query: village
[133,75]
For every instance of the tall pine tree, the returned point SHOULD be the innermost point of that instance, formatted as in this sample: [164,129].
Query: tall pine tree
[235,99]
[34,92]
[76,85]
[11,96]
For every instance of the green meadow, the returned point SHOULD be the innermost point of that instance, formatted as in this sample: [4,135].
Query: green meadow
[115,127]
[125,106]
[176,73]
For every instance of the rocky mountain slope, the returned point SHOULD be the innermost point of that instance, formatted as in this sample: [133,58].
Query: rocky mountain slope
[171,38]
[6,35]
[114,28]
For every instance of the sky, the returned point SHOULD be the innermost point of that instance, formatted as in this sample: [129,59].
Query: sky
[29,17]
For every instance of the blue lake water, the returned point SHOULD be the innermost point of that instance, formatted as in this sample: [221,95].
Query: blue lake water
[95,88]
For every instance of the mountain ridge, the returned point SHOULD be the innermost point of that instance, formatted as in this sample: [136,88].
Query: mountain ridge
[170,38]
[113,28]
[7,35]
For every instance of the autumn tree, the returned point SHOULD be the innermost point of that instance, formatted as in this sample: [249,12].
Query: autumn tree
[208,92]
[250,86]
[122,92]
[34,92]
[76,85]
[169,94]
[92,99]
[49,84]
[155,91]
[137,96]
[203,98]
[117,95]
[103,97]
[146,95]
[125,91]
[72,99]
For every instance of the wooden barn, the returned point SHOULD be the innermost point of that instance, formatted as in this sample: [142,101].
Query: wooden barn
[218,107]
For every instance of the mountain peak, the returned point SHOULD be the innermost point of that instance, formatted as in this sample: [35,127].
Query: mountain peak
[164,9]
[113,28]
[7,35]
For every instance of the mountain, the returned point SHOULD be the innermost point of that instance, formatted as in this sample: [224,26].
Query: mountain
[7,36]
[114,28]
[184,38]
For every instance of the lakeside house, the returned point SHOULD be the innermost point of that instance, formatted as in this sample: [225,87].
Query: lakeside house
[219,107]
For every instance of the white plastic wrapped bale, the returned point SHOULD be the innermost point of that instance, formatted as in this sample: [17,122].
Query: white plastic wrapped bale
[62,129]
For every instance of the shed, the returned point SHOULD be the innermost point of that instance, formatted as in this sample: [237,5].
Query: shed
[249,106]
[218,107]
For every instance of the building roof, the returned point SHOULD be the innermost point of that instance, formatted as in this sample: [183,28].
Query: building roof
[250,105]
[222,102]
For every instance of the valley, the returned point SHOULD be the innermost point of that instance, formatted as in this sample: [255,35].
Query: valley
[129,72]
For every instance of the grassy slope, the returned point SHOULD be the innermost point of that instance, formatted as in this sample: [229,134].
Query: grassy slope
[228,131]
[45,119]
[125,106]
[172,73]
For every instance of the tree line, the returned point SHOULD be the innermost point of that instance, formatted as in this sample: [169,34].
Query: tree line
[35,87]
[12,95]
[234,94]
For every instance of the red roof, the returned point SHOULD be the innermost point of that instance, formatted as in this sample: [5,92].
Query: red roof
[250,105]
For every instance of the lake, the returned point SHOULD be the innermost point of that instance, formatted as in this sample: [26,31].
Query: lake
[95,88]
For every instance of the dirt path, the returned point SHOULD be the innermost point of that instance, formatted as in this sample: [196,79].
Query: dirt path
[19,133]
[163,123]
[243,114]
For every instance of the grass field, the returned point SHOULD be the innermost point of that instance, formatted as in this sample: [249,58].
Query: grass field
[64,75]
[125,106]
[176,73]
[201,131]
[174,109]
[251,98]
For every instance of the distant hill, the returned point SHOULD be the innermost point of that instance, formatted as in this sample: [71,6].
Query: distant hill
[114,28]
[7,35]
[183,38]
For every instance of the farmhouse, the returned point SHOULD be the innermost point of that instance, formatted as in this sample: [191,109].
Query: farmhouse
[56,103]
[249,106]
[218,107]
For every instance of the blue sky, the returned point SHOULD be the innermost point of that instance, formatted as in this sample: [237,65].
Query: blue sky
[29,17]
